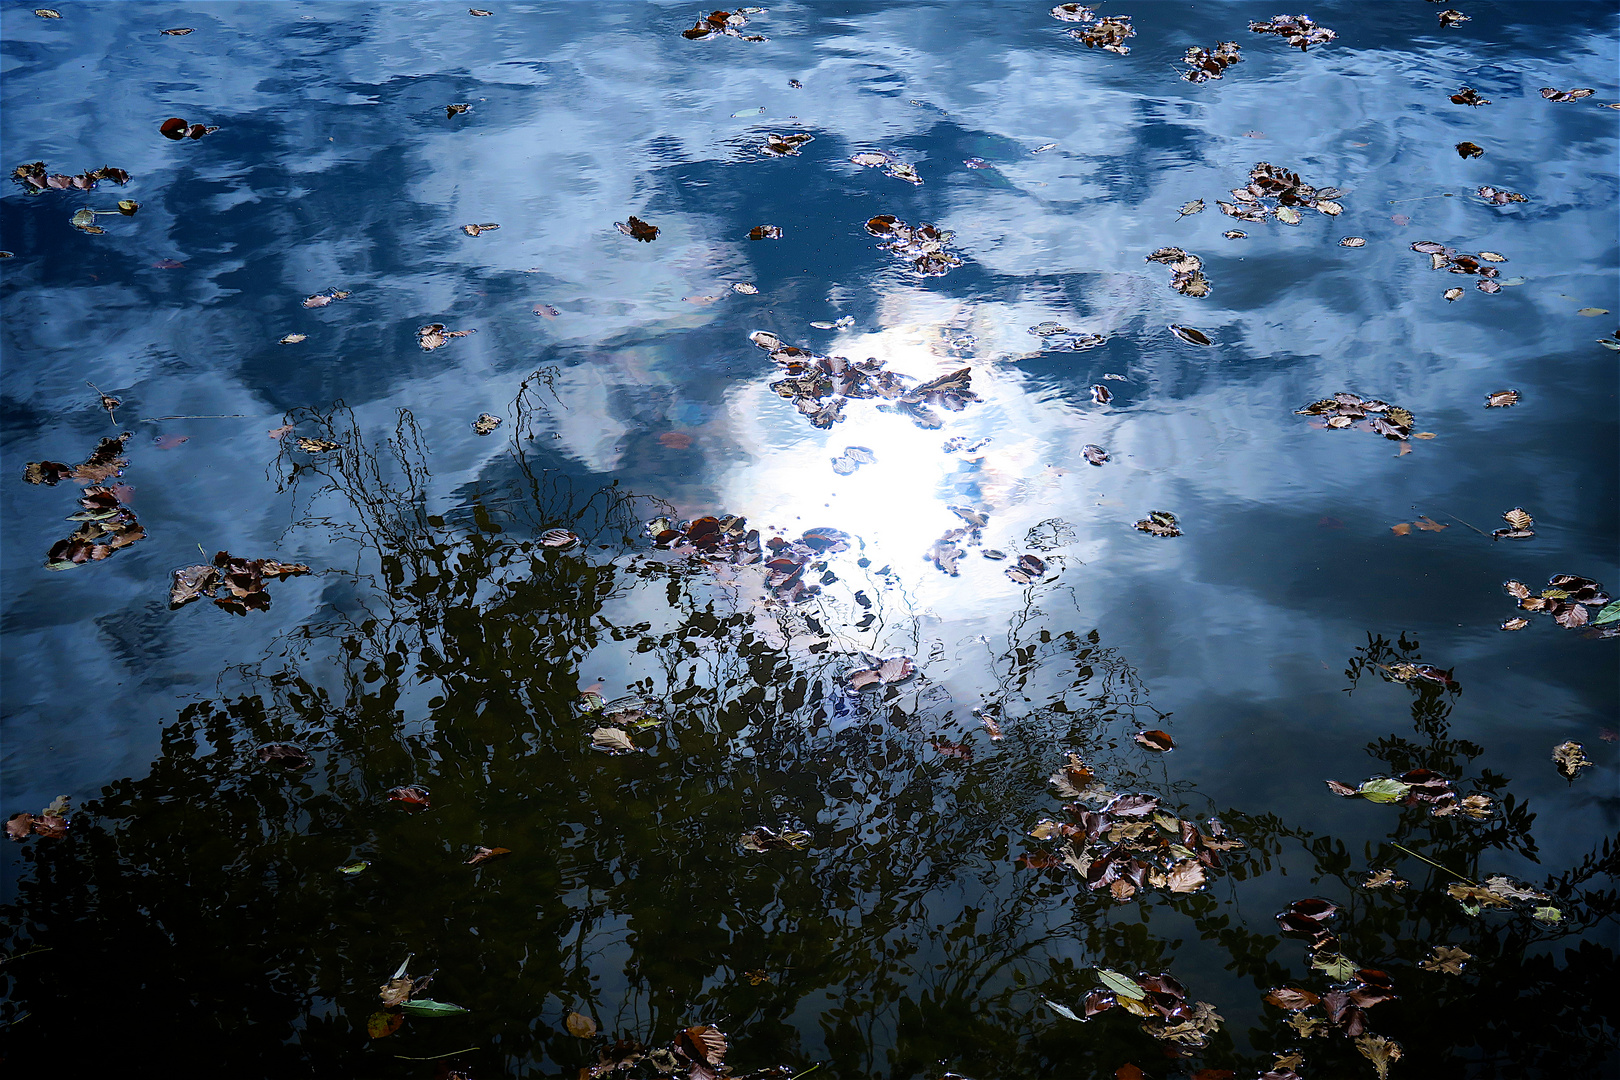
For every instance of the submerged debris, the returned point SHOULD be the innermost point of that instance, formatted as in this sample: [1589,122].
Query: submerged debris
[1210,63]
[922,247]
[1300,30]
[1187,271]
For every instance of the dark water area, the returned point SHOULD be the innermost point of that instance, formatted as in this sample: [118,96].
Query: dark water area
[1333,609]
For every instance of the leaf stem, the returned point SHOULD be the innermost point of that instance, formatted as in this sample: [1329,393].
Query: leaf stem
[808,1071]
[1436,865]
[436,1057]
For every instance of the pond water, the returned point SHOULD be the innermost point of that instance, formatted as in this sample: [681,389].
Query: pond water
[1332,609]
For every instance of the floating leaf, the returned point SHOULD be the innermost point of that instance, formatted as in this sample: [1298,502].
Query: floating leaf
[434,335]
[1159,523]
[1235,234]
[1380,1051]
[762,838]
[1194,207]
[1570,757]
[1190,335]
[1154,740]
[410,795]
[479,13]
[1291,998]
[580,1026]
[383,1023]
[612,740]
[1383,790]
[1501,399]
[47,13]
[475,230]
[356,867]
[637,229]
[1299,30]
[1469,96]
[1566,95]
[486,423]
[456,109]
[1122,985]
[429,1007]
[1353,242]
[1469,150]
[763,232]
[1096,455]
[483,855]
[1452,17]
[1592,311]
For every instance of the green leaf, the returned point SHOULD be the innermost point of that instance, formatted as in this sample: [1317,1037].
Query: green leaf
[1122,986]
[1549,914]
[1335,966]
[353,868]
[429,1007]
[1062,1010]
[1383,791]
[1610,613]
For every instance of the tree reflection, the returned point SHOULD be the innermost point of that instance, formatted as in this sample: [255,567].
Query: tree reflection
[196,914]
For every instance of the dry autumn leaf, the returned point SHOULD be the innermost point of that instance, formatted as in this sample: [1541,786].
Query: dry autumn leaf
[1154,740]
[580,1026]
[1570,757]
[485,854]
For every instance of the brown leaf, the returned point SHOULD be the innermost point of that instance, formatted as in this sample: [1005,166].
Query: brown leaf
[1186,876]
[383,1023]
[637,229]
[1291,998]
[1402,529]
[410,795]
[1096,455]
[395,992]
[1570,757]
[1190,335]
[173,128]
[1159,523]
[474,230]
[704,1042]
[1469,150]
[1380,878]
[486,423]
[20,826]
[1501,399]
[1429,525]
[1154,740]
[612,740]
[1515,624]
[765,232]
[1380,1051]
[485,854]
[434,335]
[1446,960]
[456,109]
[286,755]
[580,1026]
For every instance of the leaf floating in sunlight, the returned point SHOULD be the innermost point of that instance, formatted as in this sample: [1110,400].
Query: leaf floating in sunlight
[456,109]
[1353,242]
[1469,150]
[1469,96]
[1592,311]
[1095,455]
[1566,95]
[483,855]
[486,424]
[434,335]
[321,299]
[1187,276]
[745,289]
[1077,13]
[1101,394]
[580,1026]
[1501,399]
[1452,17]
[317,446]
[1196,206]
[1567,599]
[1108,33]
[1278,193]
[1570,757]
[1345,410]
[1028,570]
[35,179]
[1235,234]
[412,795]
[724,24]
[474,230]
[292,339]
[479,13]
[1190,335]
[286,755]
[1500,197]
[762,232]
[884,673]
[47,13]
[762,838]
[923,247]
[179,31]
[1446,959]
[175,128]
[891,165]
[1159,523]
[785,145]
[1299,30]
[1154,740]
[612,740]
[637,229]
[1210,64]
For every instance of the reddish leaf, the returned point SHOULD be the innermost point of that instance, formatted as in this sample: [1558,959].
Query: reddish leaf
[410,794]
[1154,740]
[485,854]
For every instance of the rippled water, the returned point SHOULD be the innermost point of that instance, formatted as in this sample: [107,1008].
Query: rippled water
[195,912]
